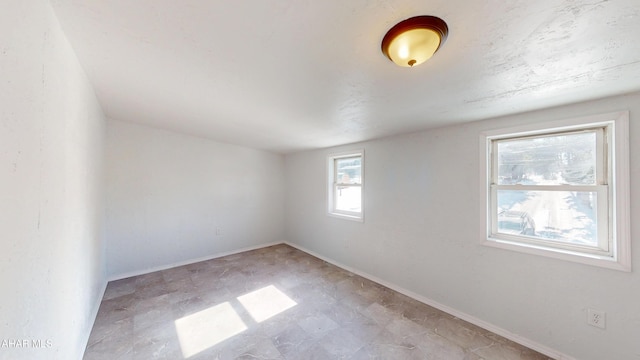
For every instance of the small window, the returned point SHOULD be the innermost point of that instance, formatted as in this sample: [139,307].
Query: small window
[346,180]
[560,190]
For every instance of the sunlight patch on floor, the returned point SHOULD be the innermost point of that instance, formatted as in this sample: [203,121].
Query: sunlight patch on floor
[204,329]
[266,302]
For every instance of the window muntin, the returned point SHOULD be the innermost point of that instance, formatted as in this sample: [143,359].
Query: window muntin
[582,167]
[345,185]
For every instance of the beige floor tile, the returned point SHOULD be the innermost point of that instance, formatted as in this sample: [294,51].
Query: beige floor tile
[316,311]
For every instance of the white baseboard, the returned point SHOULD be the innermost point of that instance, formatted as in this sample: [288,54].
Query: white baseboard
[187,262]
[459,314]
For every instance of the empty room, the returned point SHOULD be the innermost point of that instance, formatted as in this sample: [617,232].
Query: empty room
[286,179]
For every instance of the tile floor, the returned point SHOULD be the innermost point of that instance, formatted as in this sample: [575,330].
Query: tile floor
[278,303]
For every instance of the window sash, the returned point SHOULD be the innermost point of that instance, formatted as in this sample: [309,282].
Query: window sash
[335,170]
[602,170]
[336,190]
[601,189]
[604,238]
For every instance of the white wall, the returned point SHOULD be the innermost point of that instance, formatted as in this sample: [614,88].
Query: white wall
[174,198]
[421,234]
[52,258]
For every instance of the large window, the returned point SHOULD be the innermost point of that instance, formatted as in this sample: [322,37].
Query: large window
[346,177]
[560,189]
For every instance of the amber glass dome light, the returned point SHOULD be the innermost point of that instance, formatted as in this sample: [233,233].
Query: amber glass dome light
[414,41]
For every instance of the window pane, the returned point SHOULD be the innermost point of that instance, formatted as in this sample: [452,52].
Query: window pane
[348,198]
[349,170]
[563,216]
[549,160]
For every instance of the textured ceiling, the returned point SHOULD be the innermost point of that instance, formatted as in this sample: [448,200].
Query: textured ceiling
[289,75]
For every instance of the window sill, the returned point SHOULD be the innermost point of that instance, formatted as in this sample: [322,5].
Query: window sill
[346,217]
[581,258]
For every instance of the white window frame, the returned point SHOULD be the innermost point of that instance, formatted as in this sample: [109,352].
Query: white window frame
[612,188]
[333,184]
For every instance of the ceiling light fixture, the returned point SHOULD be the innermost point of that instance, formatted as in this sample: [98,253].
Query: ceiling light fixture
[414,41]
